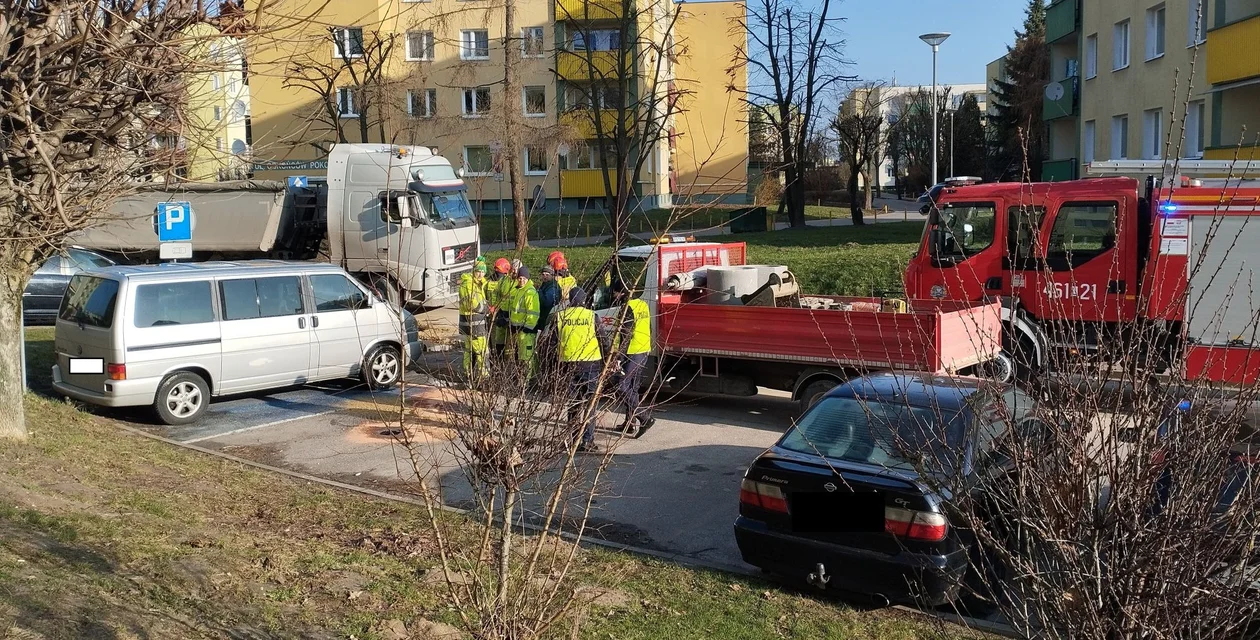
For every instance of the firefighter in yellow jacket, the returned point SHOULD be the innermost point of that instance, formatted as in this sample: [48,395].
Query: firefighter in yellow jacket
[473,308]
[524,319]
[499,292]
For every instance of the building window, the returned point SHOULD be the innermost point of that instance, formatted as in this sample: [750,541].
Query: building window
[474,44]
[532,43]
[348,42]
[218,113]
[1120,138]
[422,103]
[345,102]
[478,161]
[535,161]
[1197,31]
[596,40]
[476,102]
[419,45]
[215,83]
[218,144]
[1091,56]
[1088,142]
[1195,118]
[1120,46]
[536,101]
[1156,18]
[1152,134]
[603,96]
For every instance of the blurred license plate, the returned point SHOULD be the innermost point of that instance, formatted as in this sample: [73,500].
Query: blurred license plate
[838,512]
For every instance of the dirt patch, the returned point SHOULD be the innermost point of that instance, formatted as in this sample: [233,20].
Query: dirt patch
[604,597]
[269,454]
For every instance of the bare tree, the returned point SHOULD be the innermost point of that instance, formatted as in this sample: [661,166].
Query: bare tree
[82,81]
[623,93]
[796,55]
[351,85]
[859,129]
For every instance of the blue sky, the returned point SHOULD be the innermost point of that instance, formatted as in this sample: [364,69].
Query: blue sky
[883,37]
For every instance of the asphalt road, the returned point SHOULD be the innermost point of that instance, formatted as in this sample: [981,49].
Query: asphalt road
[674,490]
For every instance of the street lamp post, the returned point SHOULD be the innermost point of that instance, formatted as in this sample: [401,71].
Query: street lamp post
[935,40]
[951,143]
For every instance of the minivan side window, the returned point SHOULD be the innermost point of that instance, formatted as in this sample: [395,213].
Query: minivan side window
[90,301]
[336,293]
[173,303]
[261,297]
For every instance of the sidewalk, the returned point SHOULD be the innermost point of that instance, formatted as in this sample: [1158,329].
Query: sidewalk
[898,211]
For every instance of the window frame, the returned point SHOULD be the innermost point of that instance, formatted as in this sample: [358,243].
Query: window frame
[1120,143]
[468,168]
[1091,56]
[1197,28]
[222,299]
[426,45]
[525,101]
[210,290]
[1073,259]
[1152,145]
[1196,129]
[354,286]
[346,95]
[1121,57]
[342,42]
[526,38]
[1156,33]
[467,52]
[428,97]
[478,110]
[527,155]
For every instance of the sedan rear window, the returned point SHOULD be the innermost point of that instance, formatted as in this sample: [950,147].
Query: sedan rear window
[90,301]
[878,433]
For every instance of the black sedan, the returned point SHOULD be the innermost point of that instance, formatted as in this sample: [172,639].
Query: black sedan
[42,296]
[837,503]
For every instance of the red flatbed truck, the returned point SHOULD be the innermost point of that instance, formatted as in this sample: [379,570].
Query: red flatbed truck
[1083,264]
[733,347]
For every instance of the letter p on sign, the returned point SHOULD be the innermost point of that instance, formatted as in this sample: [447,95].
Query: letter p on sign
[174,222]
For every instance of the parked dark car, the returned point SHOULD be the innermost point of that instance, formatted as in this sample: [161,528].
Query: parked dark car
[837,503]
[42,296]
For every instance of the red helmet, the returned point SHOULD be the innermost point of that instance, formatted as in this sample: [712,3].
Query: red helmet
[502,265]
[554,257]
[559,264]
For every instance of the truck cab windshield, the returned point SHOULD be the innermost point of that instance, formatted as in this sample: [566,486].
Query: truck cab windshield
[448,210]
[962,230]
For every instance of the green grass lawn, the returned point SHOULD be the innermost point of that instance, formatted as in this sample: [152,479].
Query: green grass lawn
[592,222]
[850,261]
[107,534]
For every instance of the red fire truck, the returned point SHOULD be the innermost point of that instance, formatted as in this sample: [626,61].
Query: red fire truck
[1100,261]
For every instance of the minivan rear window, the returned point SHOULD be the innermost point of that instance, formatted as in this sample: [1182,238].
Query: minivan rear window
[173,303]
[89,301]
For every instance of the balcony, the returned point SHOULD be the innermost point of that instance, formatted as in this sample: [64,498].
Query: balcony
[1062,20]
[581,10]
[1060,100]
[1059,170]
[583,124]
[584,183]
[577,65]
[1231,51]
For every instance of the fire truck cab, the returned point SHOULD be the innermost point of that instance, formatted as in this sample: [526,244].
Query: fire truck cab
[1084,263]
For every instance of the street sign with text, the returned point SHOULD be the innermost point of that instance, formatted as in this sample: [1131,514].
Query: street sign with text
[173,222]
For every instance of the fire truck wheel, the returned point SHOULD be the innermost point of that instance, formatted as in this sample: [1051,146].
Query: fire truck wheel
[1001,368]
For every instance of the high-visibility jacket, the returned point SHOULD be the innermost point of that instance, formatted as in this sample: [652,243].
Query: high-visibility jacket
[472,307]
[641,338]
[502,300]
[566,282]
[578,340]
[525,308]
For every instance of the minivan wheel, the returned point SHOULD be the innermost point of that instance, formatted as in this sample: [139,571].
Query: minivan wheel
[382,367]
[181,398]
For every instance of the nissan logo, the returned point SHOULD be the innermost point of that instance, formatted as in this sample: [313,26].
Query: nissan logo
[829,487]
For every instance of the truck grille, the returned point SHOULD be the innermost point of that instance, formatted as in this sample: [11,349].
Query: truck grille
[453,281]
[456,254]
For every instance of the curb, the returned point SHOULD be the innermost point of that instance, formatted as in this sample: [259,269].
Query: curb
[673,558]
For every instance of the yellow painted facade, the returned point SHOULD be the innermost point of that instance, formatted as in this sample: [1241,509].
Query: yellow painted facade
[213,134]
[429,82]
[1227,51]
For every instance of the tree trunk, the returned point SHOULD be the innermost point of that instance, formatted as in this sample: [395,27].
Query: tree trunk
[795,196]
[855,208]
[505,546]
[512,124]
[866,181]
[12,411]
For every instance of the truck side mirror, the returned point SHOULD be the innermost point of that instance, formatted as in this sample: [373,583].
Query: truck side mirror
[399,207]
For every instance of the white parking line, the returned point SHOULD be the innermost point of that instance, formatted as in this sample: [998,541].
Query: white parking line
[257,426]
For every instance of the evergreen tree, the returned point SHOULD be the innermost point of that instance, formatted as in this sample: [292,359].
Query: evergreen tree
[970,150]
[1020,132]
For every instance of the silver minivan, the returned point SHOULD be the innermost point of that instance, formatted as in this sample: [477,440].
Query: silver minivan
[173,335]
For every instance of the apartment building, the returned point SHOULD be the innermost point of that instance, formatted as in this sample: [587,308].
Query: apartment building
[211,140]
[1127,76]
[430,72]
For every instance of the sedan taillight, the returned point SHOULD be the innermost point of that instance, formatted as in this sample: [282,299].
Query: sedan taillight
[762,496]
[924,526]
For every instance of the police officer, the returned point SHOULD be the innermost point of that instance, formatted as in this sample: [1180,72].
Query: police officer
[581,358]
[635,333]
[499,294]
[472,320]
[524,318]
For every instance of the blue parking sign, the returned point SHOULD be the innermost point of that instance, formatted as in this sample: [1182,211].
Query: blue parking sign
[298,182]
[174,222]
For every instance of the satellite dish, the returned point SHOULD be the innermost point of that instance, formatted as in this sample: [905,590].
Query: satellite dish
[1054,91]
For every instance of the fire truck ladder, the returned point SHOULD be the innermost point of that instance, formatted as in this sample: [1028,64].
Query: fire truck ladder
[1169,168]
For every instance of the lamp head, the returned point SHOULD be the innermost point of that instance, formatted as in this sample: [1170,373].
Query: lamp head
[934,39]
